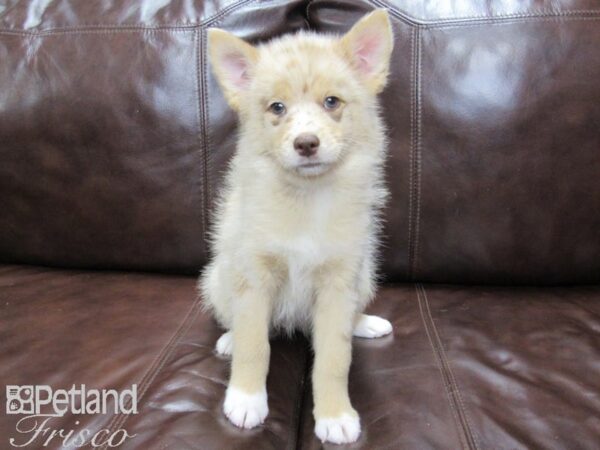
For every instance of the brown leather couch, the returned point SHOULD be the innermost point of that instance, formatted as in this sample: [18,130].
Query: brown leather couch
[113,141]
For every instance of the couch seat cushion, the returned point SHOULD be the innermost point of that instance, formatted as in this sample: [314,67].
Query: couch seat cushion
[109,330]
[478,368]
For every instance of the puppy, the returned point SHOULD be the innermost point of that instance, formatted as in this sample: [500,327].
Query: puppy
[295,232]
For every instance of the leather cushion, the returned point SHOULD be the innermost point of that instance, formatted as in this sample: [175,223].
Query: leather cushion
[493,111]
[478,368]
[113,132]
[109,330]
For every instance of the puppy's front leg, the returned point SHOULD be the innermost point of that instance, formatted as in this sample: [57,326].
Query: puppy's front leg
[335,419]
[246,397]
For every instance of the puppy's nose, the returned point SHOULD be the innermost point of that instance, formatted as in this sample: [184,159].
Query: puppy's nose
[306,144]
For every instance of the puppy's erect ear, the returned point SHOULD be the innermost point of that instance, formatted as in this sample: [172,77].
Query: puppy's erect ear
[232,60]
[368,45]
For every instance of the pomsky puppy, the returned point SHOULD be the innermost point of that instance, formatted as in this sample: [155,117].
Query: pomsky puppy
[295,233]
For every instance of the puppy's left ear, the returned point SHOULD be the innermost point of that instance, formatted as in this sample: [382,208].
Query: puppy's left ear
[368,45]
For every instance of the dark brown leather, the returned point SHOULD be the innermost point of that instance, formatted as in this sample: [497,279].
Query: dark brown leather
[107,156]
[467,367]
[493,110]
[114,137]
[111,330]
[478,368]
[476,101]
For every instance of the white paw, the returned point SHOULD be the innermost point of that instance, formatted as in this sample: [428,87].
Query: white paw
[372,327]
[225,344]
[245,410]
[340,430]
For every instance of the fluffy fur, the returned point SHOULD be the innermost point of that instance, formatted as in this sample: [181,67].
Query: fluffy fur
[295,236]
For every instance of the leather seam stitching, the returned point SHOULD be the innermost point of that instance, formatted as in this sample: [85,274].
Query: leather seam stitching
[445,383]
[307,14]
[418,149]
[471,436]
[225,12]
[508,22]
[108,31]
[420,22]
[205,136]
[464,409]
[157,364]
[200,122]
[132,28]
[411,152]
[415,155]
[396,12]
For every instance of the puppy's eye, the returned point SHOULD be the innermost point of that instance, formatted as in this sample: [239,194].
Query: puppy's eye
[277,108]
[331,103]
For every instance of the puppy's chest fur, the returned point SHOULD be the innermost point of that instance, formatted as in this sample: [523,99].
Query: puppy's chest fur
[302,231]
[309,235]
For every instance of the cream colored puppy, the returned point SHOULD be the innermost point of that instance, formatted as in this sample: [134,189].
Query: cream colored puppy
[295,233]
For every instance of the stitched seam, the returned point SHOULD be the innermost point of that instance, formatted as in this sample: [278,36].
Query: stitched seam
[512,22]
[410,153]
[416,21]
[205,136]
[437,23]
[413,76]
[307,14]
[116,28]
[470,427]
[156,366]
[98,31]
[225,12]
[464,417]
[200,134]
[101,28]
[418,125]
[415,155]
[445,382]
[208,159]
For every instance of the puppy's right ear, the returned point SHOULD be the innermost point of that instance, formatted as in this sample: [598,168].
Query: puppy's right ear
[232,60]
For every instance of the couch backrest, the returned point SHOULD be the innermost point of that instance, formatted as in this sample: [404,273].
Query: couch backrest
[112,130]
[494,115]
[114,135]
